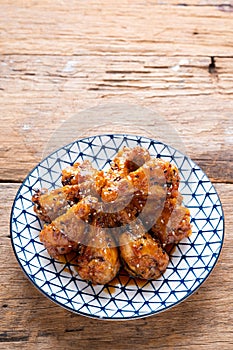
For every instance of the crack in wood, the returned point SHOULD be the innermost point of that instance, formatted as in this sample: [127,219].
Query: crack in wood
[11,181]
[120,80]
[103,86]
[222,7]
[45,334]
[79,329]
[127,71]
[6,337]
[213,68]
[29,73]
[226,7]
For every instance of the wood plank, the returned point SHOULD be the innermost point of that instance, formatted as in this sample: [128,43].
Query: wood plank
[121,28]
[224,4]
[39,93]
[73,3]
[29,320]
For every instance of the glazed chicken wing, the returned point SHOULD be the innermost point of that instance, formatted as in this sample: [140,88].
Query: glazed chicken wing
[83,172]
[79,180]
[56,242]
[129,159]
[156,172]
[67,231]
[150,191]
[161,180]
[142,256]
[178,226]
[98,261]
[117,184]
[49,205]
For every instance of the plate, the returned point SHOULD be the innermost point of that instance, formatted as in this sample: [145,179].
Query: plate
[124,298]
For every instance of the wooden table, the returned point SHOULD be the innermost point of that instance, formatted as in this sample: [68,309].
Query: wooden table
[58,58]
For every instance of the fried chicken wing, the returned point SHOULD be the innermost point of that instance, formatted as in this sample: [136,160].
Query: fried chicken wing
[117,189]
[129,159]
[150,191]
[142,189]
[156,172]
[98,261]
[56,242]
[161,180]
[79,173]
[49,205]
[142,256]
[178,226]
[67,231]
[81,180]
[117,184]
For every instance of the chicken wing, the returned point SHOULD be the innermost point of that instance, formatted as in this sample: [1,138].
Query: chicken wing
[117,184]
[156,172]
[142,255]
[81,180]
[67,231]
[56,242]
[160,180]
[129,159]
[49,205]
[178,226]
[83,172]
[98,261]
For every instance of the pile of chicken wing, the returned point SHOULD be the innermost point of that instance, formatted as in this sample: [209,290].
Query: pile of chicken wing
[125,216]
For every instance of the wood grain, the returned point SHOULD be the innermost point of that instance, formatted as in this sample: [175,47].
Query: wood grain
[29,320]
[121,27]
[37,94]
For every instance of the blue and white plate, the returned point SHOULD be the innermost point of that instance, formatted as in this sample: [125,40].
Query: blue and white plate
[124,298]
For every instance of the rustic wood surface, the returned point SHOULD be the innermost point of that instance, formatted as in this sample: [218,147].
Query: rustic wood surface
[57,59]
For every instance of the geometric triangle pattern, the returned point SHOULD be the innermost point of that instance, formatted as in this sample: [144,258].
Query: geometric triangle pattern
[124,298]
